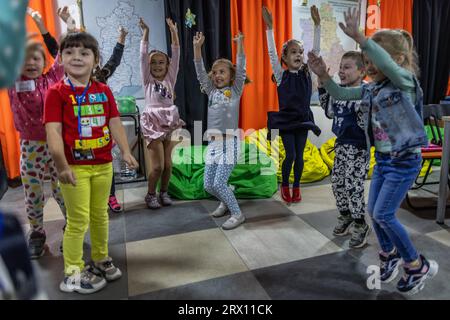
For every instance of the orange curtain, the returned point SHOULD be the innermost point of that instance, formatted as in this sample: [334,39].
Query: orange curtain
[448,89]
[395,14]
[8,134]
[260,96]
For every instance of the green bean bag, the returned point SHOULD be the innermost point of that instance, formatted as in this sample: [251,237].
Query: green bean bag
[314,168]
[327,153]
[253,177]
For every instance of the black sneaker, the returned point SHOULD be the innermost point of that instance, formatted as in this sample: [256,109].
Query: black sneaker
[360,233]
[343,226]
[36,244]
[414,280]
[389,266]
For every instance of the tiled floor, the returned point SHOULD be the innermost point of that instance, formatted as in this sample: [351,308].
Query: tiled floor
[280,252]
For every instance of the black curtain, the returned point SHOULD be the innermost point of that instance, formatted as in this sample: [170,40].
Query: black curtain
[431,32]
[213,19]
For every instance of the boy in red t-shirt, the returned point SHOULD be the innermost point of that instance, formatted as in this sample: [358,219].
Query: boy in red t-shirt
[81,118]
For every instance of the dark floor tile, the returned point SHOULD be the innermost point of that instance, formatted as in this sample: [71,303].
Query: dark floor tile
[241,286]
[116,229]
[141,224]
[50,271]
[332,276]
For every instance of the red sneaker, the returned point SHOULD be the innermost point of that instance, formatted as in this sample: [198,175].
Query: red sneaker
[114,204]
[286,194]
[296,195]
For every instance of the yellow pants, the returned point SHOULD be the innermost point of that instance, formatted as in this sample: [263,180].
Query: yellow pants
[86,206]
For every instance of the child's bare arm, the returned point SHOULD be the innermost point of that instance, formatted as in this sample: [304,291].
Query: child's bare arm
[37,18]
[65,16]
[56,148]
[119,135]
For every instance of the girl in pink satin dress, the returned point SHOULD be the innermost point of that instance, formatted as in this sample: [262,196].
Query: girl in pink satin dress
[160,116]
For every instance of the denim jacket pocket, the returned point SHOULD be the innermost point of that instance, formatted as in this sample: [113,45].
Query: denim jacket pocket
[389,99]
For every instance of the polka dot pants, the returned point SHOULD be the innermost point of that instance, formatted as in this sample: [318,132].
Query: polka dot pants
[221,158]
[33,160]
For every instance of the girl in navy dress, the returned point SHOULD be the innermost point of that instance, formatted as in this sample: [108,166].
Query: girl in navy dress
[295,117]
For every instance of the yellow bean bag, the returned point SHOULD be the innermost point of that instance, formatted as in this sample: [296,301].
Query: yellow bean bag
[327,154]
[314,167]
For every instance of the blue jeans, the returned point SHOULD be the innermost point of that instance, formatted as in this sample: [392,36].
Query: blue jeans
[391,180]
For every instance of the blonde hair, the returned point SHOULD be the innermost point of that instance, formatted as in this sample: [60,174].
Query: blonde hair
[399,42]
[32,46]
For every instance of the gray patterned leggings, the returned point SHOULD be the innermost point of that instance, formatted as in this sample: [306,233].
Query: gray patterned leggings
[348,177]
[221,158]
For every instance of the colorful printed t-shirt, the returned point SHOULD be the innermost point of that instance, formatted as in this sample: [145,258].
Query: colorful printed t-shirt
[97,109]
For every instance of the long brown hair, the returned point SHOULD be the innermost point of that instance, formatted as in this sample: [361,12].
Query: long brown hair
[232,68]
[284,52]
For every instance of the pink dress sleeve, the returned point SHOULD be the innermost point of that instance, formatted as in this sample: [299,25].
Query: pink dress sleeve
[174,65]
[146,75]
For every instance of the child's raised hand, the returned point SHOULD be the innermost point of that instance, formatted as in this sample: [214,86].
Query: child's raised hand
[267,16]
[122,35]
[143,25]
[317,65]
[123,32]
[35,15]
[64,14]
[315,15]
[199,39]
[239,38]
[351,27]
[172,26]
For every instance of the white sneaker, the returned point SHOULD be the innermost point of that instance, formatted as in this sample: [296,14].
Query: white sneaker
[85,283]
[107,269]
[235,221]
[220,211]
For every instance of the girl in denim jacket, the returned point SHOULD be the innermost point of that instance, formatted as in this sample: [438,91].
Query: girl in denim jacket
[392,105]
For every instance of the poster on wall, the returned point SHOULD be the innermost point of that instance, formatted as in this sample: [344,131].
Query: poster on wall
[102,18]
[333,42]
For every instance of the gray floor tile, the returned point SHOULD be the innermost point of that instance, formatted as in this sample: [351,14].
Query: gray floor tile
[253,210]
[116,229]
[144,224]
